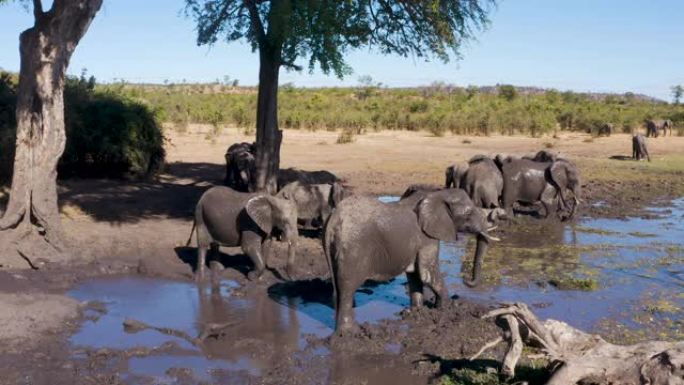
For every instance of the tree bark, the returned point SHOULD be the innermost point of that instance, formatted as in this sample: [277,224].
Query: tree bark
[45,51]
[268,135]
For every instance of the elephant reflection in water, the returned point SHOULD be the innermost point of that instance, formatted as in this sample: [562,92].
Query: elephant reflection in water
[261,330]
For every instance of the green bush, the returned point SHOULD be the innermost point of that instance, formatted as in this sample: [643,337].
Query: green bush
[108,134]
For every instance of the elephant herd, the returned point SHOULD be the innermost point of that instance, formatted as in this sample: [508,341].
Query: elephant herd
[364,238]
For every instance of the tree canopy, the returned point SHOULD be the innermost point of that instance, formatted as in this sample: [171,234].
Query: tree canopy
[322,31]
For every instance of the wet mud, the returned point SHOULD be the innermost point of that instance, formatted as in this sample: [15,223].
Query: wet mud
[620,276]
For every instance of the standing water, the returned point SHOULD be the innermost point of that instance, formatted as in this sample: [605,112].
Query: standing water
[600,275]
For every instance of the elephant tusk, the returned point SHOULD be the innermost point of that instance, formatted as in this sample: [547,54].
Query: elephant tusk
[489,237]
[492,228]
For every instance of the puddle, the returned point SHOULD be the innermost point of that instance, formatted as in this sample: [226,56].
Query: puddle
[630,272]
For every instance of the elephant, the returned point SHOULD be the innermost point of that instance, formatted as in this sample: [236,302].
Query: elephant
[529,182]
[454,175]
[652,127]
[368,239]
[225,217]
[240,161]
[606,129]
[289,175]
[542,156]
[314,202]
[639,150]
[415,188]
[483,182]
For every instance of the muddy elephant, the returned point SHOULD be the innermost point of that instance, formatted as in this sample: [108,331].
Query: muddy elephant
[419,187]
[652,127]
[454,175]
[639,150]
[367,239]
[240,160]
[225,217]
[289,175]
[529,182]
[314,202]
[606,129]
[483,182]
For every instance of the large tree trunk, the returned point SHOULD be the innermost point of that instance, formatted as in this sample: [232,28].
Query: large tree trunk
[268,136]
[45,50]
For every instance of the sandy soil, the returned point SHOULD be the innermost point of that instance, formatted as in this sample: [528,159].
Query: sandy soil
[122,227]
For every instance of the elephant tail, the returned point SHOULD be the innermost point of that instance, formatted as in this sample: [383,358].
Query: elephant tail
[192,231]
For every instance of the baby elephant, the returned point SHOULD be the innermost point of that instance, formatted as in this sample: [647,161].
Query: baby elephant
[639,150]
[225,217]
[314,202]
[367,239]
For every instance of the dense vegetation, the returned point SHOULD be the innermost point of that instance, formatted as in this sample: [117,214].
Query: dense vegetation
[108,134]
[438,108]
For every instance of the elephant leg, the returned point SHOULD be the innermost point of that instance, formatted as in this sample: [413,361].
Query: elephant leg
[204,241]
[547,199]
[415,286]
[345,303]
[267,250]
[251,246]
[428,268]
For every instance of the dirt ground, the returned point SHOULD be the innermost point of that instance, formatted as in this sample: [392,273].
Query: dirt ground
[119,227]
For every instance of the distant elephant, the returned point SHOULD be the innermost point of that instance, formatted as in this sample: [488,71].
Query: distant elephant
[289,175]
[240,161]
[415,188]
[314,202]
[225,217]
[606,129]
[367,239]
[652,127]
[639,150]
[529,182]
[454,175]
[483,182]
[542,156]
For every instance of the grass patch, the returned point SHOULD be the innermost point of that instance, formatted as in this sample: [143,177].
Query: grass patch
[572,283]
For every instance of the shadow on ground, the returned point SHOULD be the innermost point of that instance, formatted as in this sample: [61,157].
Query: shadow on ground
[173,195]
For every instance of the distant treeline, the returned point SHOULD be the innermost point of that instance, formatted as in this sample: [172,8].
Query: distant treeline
[438,108]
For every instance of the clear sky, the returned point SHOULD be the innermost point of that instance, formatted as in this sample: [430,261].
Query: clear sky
[582,45]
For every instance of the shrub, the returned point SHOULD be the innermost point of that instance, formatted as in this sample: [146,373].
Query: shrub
[108,134]
[346,136]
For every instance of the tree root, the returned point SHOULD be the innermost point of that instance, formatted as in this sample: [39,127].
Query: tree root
[209,330]
[579,357]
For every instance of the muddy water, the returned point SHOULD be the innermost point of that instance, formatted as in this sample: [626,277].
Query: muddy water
[608,276]
[271,328]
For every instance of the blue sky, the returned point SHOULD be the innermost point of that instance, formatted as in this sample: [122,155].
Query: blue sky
[583,45]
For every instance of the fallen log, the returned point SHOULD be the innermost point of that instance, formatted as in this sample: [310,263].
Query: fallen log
[581,358]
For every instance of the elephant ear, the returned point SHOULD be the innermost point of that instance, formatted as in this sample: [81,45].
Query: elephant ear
[435,219]
[260,210]
[559,173]
[336,194]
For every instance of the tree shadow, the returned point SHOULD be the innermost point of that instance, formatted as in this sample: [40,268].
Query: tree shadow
[173,195]
[239,262]
[621,157]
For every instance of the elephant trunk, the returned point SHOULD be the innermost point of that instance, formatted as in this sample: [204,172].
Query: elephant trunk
[291,254]
[576,192]
[480,251]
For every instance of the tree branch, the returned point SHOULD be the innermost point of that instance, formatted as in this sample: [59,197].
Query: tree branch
[37,9]
[257,24]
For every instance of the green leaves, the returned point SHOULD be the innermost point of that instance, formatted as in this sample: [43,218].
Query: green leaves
[322,31]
